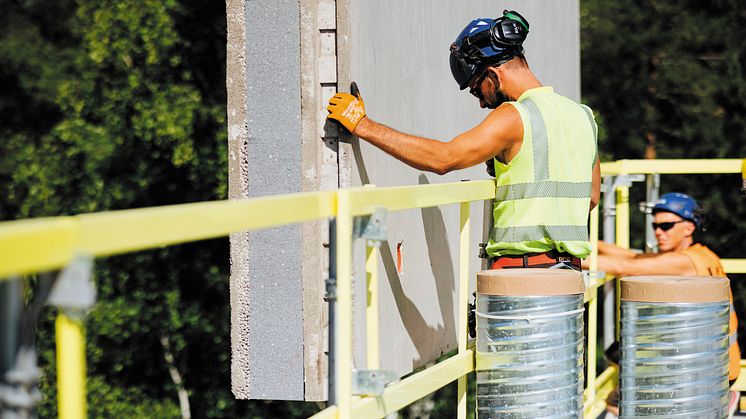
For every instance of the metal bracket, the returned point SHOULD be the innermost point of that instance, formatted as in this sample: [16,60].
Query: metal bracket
[74,291]
[331,289]
[589,276]
[645,207]
[371,382]
[372,227]
[627,180]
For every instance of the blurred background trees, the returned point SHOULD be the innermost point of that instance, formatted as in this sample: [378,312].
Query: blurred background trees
[110,105]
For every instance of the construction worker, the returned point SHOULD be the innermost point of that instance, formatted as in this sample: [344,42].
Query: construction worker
[543,146]
[677,217]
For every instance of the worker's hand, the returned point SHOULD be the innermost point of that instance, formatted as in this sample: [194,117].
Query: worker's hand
[347,109]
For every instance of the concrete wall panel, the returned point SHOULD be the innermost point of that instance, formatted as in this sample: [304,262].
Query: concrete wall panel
[398,55]
[266,283]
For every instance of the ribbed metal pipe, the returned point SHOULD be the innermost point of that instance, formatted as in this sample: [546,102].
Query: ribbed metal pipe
[529,356]
[674,360]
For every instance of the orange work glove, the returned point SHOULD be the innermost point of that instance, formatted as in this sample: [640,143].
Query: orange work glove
[346,109]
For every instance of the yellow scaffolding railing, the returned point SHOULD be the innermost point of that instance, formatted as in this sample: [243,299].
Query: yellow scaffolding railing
[45,244]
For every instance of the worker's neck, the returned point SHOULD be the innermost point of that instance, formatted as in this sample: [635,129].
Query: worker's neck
[518,81]
[685,244]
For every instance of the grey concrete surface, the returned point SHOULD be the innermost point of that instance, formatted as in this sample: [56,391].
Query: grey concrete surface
[267,293]
[398,55]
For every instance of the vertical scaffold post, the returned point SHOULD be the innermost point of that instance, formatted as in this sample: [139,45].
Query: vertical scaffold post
[331,298]
[592,310]
[73,294]
[343,312]
[371,309]
[653,184]
[609,234]
[463,296]
[71,368]
[622,235]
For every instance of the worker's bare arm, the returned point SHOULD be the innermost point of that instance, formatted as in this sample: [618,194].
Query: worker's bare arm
[663,264]
[613,250]
[596,184]
[499,132]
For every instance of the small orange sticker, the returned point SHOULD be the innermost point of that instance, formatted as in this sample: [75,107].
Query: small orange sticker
[400,258]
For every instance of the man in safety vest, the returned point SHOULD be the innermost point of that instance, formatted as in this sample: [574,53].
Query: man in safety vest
[676,217]
[543,145]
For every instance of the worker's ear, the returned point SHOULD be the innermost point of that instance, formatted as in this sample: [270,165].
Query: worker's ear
[496,73]
[689,228]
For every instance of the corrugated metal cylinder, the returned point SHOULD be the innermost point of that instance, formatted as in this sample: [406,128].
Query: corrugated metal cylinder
[674,347]
[530,343]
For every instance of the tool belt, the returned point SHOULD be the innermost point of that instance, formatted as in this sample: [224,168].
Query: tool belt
[550,259]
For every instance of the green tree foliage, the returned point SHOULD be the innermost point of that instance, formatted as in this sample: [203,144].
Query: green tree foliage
[121,104]
[101,111]
[669,76]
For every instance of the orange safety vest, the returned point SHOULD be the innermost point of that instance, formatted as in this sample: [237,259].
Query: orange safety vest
[707,263]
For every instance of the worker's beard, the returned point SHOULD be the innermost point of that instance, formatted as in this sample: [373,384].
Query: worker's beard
[495,99]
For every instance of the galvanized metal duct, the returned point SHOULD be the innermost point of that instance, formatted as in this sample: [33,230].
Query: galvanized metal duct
[529,344]
[674,347]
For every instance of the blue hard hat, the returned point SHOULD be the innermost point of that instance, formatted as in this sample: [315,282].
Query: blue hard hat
[680,204]
[485,42]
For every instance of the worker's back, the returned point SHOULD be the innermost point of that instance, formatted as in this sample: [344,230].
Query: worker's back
[543,194]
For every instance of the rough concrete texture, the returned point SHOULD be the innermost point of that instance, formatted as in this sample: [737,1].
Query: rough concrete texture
[266,288]
[237,186]
[318,172]
[398,54]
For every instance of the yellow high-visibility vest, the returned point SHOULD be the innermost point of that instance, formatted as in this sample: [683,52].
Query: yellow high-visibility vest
[543,195]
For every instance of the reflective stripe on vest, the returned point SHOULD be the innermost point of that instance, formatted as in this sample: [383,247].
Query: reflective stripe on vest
[534,233]
[547,189]
[541,143]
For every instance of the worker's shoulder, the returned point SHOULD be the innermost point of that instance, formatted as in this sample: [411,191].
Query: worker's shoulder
[699,248]
[698,251]
[507,111]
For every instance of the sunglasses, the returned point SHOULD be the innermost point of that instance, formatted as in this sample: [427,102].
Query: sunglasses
[667,225]
[475,88]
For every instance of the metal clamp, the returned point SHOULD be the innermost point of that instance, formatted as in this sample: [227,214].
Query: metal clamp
[74,291]
[371,382]
[371,227]
[589,277]
[626,180]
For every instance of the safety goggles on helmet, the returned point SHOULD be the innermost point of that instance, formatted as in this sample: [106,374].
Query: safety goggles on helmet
[486,42]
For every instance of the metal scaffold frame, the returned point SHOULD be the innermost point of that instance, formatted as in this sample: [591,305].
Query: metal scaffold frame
[41,245]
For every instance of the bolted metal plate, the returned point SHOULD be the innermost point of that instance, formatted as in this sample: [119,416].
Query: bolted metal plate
[372,227]
[74,288]
[371,382]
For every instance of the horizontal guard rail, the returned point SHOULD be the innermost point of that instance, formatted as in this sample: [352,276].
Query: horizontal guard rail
[42,244]
[36,245]
[671,167]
